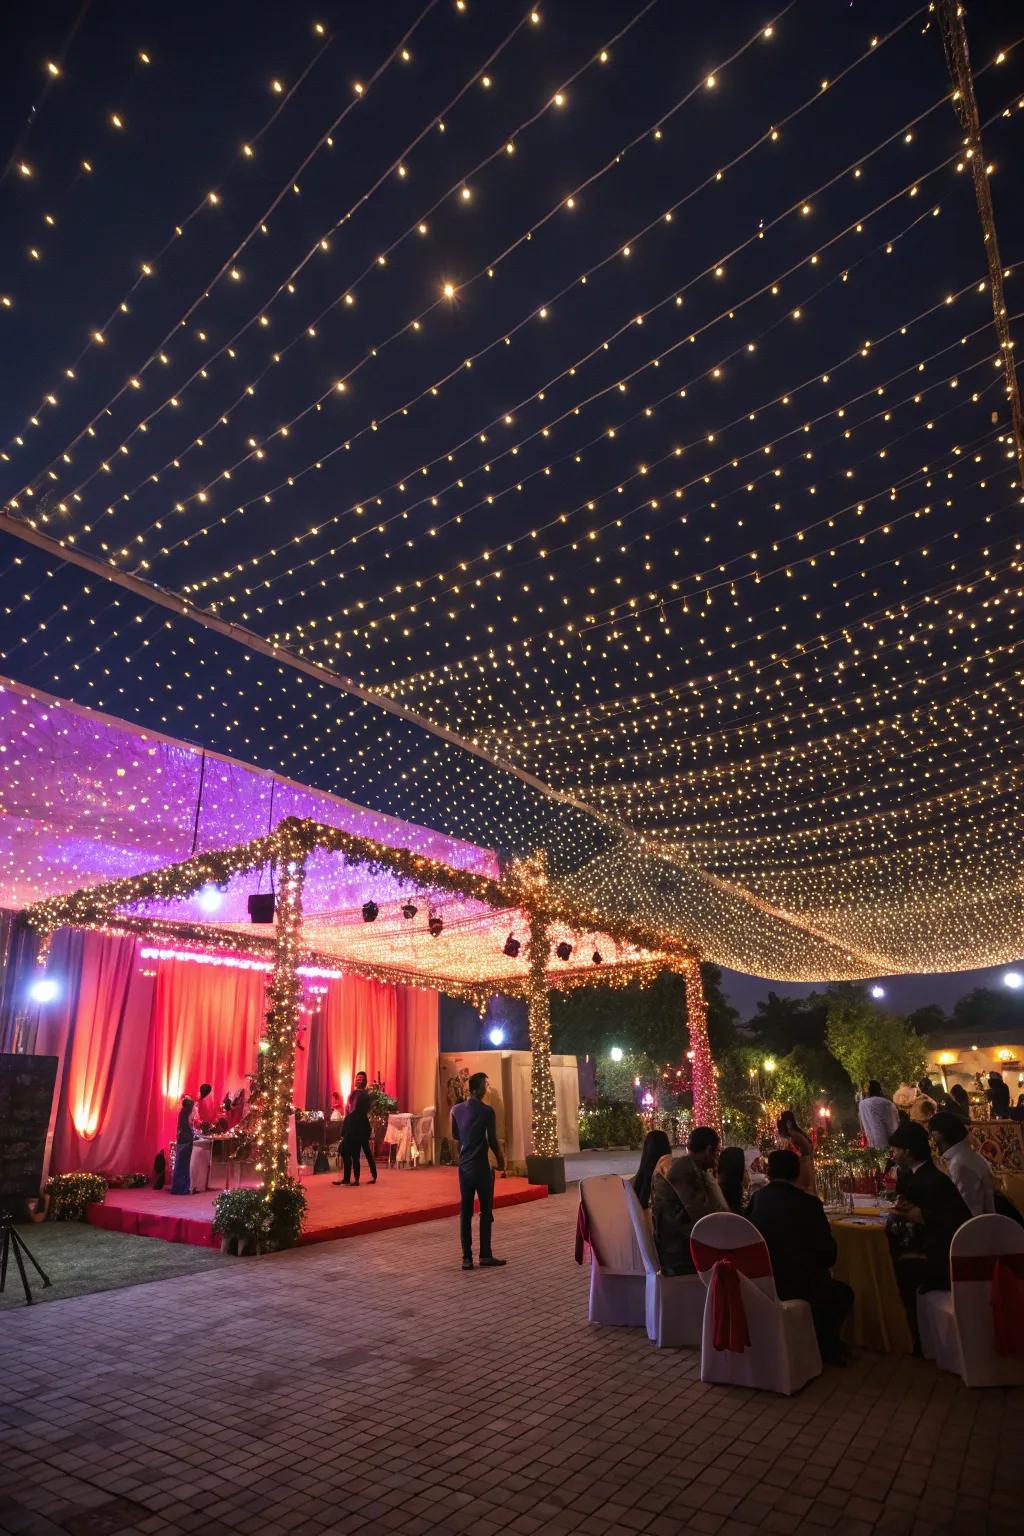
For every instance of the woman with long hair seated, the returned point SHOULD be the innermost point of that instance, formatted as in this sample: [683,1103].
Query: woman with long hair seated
[798,1141]
[656,1146]
[733,1179]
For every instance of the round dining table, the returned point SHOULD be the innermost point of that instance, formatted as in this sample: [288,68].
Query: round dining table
[863,1261]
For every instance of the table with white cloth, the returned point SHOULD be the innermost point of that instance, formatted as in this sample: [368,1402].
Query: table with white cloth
[864,1262]
[406,1130]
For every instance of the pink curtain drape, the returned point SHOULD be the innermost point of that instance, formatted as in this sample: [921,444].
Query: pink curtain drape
[418,1013]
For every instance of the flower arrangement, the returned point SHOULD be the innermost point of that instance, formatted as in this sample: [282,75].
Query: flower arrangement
[126,1180]
[70,1193]
[382,1103]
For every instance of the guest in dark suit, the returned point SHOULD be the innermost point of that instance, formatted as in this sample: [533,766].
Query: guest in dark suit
[802,1250]
[356,1133]
[931,1208]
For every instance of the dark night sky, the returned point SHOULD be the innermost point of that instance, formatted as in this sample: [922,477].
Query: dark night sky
[192,400]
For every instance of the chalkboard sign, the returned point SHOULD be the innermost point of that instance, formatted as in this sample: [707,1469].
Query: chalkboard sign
[26,1095]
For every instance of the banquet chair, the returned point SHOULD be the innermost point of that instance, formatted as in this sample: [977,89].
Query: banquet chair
[674,1304]
[749,1337]
[617,1279]
[976,1329]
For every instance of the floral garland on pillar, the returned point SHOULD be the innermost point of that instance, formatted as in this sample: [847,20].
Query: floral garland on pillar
[532,877]
[278,1065]
[705,1083]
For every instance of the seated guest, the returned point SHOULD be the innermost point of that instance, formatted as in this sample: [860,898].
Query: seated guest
[967,1168]
[337,1107]
[924,1104]
[733,1180]
[802,1249]
[998,1095]
[683,1190]
[931,1208]
[656,1146]
[878,1116]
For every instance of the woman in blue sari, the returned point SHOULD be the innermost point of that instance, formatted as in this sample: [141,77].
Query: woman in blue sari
[184,1137]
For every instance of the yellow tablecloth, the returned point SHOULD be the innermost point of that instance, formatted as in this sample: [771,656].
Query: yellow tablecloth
[879,1321]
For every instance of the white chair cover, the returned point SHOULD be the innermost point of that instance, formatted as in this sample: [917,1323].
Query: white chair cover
[783,1354]
[956,1326]
[673,1304]
[617,1280]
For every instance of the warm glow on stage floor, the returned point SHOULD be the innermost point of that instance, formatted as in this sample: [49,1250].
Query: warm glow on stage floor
[401,1197]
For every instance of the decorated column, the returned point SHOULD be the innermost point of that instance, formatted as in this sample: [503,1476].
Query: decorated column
[705,1084]
[282,1013]
[542,1086]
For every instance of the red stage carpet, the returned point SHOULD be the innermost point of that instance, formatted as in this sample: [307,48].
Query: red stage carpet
[399,1198]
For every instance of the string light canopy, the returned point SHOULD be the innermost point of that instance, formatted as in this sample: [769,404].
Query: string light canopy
[632,474]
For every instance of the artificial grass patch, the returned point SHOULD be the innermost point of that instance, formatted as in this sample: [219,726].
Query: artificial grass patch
[80,1260]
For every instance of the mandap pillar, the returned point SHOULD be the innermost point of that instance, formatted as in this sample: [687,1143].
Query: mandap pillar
[705,1083]
[543,1165]
[282,1018]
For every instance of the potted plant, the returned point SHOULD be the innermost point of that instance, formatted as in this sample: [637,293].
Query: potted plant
[242,1220]
[69,1194]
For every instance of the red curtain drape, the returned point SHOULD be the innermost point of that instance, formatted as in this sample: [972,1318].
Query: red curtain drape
[101,1113]
[207,1022]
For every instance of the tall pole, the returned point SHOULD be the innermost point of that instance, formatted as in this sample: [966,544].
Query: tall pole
[705,1084]
[531,880]
[958,59]
[282,1014]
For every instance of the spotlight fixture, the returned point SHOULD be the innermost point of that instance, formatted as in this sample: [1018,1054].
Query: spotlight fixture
[512,947]
[435,924]
[370,910]
[44,990]
[496,1035]
[563,950]
[597,957]
[210,899]
[261,907]
[409,911]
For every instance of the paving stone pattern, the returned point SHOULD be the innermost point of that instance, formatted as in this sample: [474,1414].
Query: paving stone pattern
[370,1386]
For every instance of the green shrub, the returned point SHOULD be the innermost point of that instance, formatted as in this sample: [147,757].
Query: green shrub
[611,1125]
[70,1193]
[272,1223]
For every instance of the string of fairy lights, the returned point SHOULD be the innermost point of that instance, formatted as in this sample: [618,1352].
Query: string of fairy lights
[742,583]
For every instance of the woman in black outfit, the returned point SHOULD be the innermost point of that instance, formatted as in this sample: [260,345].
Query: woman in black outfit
[732,1178]
[656,1146]
[356,1133]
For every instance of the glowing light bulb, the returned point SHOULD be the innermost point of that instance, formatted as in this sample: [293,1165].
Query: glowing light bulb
[44,990]
[616,1053]
[1014,980]
[210,899]
[877,991]
[496,1035]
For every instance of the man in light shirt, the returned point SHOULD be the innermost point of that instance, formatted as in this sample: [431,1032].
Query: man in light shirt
[967,1168]
[878,1116]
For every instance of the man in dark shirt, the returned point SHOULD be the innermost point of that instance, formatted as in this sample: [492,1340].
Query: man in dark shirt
[932,1209]
[802,1250]
[475,1128]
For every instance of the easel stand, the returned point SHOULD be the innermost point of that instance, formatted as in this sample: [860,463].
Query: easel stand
[11,1241]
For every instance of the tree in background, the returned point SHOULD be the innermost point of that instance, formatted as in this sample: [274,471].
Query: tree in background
[869,1043]
[640,1020]
[986,1010]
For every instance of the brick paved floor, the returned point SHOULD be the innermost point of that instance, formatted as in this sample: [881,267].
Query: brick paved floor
[369,1385]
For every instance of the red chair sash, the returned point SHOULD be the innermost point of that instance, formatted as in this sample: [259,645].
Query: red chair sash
[728,1317]
[751,1260]
[981,1266]
[1008,1307]
[583,1236]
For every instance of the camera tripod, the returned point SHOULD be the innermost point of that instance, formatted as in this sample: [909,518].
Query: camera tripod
[11,1241]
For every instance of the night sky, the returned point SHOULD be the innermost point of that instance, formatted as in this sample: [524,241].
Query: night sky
[607,550]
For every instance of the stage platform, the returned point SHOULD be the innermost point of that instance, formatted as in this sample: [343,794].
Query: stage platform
[400,1198]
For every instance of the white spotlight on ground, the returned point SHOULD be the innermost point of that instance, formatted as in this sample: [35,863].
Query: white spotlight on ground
[877,991]
[616,1053]
[210,899]
[44,990]
[1013,980]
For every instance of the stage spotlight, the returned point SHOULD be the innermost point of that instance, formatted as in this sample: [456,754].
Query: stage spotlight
[512,947]
[210,899]
[616,1053]
[261,907]
[409,911]
[435,925]
[496,1035]
[563,950]
[1014,980]
[596,957]
[877,992]
[44,990]
[370,910]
